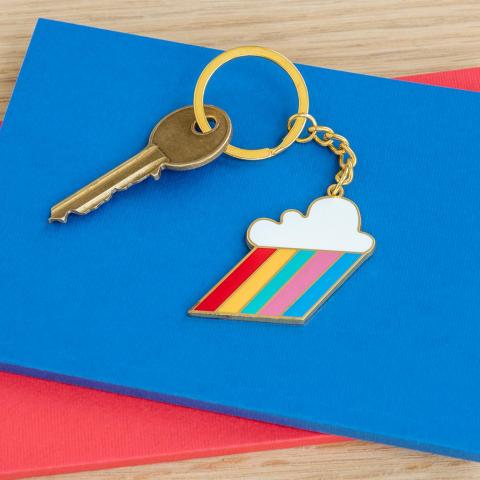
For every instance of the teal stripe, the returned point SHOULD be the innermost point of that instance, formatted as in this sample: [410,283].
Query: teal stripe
[322,285]
[278,281]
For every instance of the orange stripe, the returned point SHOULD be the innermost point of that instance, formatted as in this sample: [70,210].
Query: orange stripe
[253,284]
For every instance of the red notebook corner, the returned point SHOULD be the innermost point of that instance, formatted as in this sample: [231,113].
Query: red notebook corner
[48,427]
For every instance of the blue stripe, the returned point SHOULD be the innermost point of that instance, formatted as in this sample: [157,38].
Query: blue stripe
[278,281]
[322,285]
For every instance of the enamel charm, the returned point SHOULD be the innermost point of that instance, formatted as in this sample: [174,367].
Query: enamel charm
[294,265]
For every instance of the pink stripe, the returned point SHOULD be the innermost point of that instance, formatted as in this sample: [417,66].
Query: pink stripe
[297,285]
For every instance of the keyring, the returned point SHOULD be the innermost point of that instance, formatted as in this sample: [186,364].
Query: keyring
[283,62]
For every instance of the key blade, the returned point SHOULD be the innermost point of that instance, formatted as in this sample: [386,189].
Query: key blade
[147,163]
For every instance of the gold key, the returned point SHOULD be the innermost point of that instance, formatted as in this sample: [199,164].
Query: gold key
[175,143]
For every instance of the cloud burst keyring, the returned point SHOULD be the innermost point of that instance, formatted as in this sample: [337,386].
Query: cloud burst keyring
[296,263]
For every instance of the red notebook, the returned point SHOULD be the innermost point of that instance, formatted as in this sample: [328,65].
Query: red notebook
[48,427]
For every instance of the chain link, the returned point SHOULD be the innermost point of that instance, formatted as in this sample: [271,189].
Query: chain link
[338,144]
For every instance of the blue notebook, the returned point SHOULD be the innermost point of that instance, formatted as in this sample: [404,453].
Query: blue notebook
[393,356]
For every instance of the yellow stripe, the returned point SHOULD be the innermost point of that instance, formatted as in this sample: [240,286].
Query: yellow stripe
[253,284]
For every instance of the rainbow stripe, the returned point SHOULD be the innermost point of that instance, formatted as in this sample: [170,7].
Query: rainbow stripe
[278,284]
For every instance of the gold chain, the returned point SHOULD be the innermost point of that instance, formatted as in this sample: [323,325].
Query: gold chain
[339,145]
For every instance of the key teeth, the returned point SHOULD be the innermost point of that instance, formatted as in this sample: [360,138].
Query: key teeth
[64,218]
[53,219]
[158,172]
[59,214]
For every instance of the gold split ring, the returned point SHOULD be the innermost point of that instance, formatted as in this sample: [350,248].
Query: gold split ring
[283,62]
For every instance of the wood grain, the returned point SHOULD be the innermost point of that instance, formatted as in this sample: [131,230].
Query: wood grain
[347,461]
[382,37]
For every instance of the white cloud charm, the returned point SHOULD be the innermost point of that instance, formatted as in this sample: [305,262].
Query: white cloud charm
[331,223]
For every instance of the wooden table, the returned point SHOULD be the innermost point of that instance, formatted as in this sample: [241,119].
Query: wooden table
[381,37]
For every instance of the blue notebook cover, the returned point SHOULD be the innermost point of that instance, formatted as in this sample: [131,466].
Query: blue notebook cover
[393,356]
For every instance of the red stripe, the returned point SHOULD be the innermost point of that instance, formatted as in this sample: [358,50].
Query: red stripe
[222,291]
